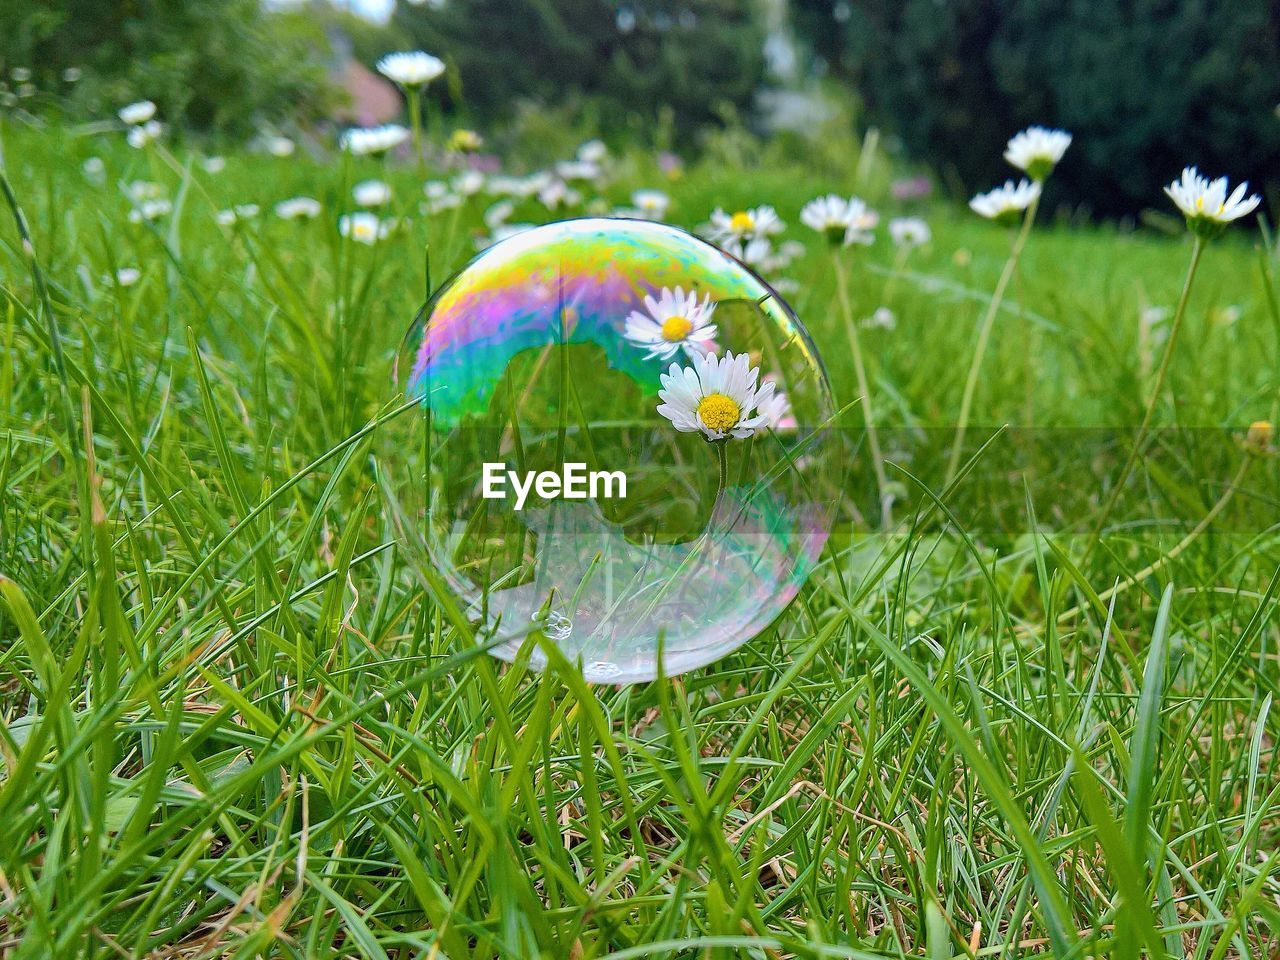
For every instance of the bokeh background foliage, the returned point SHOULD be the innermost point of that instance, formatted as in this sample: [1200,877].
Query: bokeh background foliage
[1146,85]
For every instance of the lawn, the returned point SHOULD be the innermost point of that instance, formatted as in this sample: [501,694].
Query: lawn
[237,718]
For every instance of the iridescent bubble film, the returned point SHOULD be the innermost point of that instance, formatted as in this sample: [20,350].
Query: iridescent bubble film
[553,496]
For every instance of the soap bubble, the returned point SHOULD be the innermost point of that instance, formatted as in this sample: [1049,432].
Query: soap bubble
[538,369]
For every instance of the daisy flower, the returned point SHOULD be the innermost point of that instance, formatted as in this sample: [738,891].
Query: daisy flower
[777,409]
[279,146]
[1037,150]
[909,232]
[150,210]
[1205,203]
[139,190]
[577,170]
[469,182]
[128,276]
[841,221]
[363,227]
[675,321]
[650,204]
[747,224]
[296,208]
[245,211]
[142,134]
[556,194]
[716,396]
[413,69]
[1004,204]
[371,193]
[372,141]
[440,197]
[593,151]
[95,170]
[136,113]
[498,214]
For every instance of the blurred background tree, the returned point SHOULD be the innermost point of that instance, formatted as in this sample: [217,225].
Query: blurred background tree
[220,65]
[1145,85]
[625,63]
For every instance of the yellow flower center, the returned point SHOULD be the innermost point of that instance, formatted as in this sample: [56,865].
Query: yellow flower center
[742,222]
[675,329]
[718,412]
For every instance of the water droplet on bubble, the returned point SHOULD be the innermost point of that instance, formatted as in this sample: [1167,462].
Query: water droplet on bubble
[538,367]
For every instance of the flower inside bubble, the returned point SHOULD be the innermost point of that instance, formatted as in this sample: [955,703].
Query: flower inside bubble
[627,347]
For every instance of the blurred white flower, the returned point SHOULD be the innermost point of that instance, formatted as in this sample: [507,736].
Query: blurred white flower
[504,185]
[1205,203]
[577,170]
[279,146]
[650,204]
[371,141]
[371,193]
[296,208]
[758,252]
[140,190]
[841,221]
[128,276]
[498,214]
[1037,150]
[72,74]
[447,201]
[20,74]
[674,321]
[593,151]
[557,194]
[150,210]
[411,69]
[95,170]
[440,196]
[364,227]
[27,90]
[776,410]
[747,224]
[244,211]
[469,182]
[1151,316]
[213,165]
[909,232]
[882,318]
[715,397]
[1005,204]
[534,183]
[139,112]
[139,136]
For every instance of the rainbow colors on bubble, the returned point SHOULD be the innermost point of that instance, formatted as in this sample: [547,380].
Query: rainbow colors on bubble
[572,282]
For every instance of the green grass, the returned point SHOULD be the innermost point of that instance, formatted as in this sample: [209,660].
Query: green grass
[236,720]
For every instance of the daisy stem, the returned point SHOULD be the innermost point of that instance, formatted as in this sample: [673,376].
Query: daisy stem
[899,262]
[722,458]
[864,389]
[984,337]
[1162,374]
[415,123]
